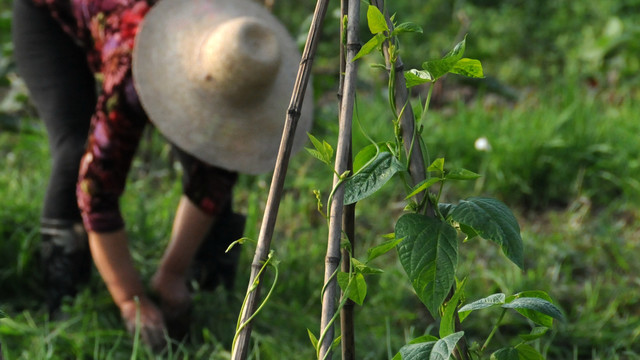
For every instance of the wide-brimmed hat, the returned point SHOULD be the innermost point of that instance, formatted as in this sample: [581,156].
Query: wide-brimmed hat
[215,77]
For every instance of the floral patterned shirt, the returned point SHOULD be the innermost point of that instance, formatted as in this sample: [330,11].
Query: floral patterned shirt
[106,29]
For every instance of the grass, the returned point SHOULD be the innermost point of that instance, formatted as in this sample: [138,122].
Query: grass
[582,253]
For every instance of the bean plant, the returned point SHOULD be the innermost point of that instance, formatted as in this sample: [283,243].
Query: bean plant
[428,235]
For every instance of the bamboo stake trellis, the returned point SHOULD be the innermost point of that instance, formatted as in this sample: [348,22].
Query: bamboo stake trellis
[347,327]
[332,259]
[343,160]
[241,347]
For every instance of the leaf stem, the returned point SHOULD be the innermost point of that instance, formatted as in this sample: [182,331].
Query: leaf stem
[426,103]
[493,331]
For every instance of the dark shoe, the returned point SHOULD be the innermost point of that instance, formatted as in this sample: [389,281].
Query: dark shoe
[212,265]
[66,259]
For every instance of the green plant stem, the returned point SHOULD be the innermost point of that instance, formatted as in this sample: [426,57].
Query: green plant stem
[332,193]
[240,326]
[391,87]
[435,204]
[493,331]
[426,103]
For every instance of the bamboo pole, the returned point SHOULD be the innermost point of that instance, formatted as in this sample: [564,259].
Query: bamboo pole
[341,165]
[347,326]
[241,348]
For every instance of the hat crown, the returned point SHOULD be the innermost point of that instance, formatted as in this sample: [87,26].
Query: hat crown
[240,59]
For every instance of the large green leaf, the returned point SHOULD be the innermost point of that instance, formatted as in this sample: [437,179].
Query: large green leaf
[444,347]
[489,301]
[416,351]
[527,352]
[429,255]
[492,220]
[543,310]
[371,178]
[535,316]
[505,354]
[367,154]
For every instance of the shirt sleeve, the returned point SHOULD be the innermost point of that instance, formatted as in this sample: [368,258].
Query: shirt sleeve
[118,122]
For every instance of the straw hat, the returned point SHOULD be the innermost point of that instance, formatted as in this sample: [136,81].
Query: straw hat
[216,77]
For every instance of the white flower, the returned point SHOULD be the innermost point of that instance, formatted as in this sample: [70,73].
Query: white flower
[482,144]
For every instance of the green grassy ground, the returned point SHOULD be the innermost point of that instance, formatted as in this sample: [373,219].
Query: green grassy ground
[582,253]
[564,155]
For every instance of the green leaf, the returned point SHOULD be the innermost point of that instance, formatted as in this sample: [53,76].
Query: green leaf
[368,153]
[457,52]
[382,249]
[313,339]
[437,165]
[469,232]
[448,324]
[371,178]
[422,186]
[323,150]
[423,338]
[444,347]
[415,77]
[468,67]
[489,301]
[419,351]
[438,68]
[375,19]
[538,305]
[316,143]
[527,352]
[356,290]
[536,333]
[318,155]
[461,174]
[494,221]
[363,268]
[369,46]
[535,316]
[429,255]
[505,354]
[445,209]
[406,27]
